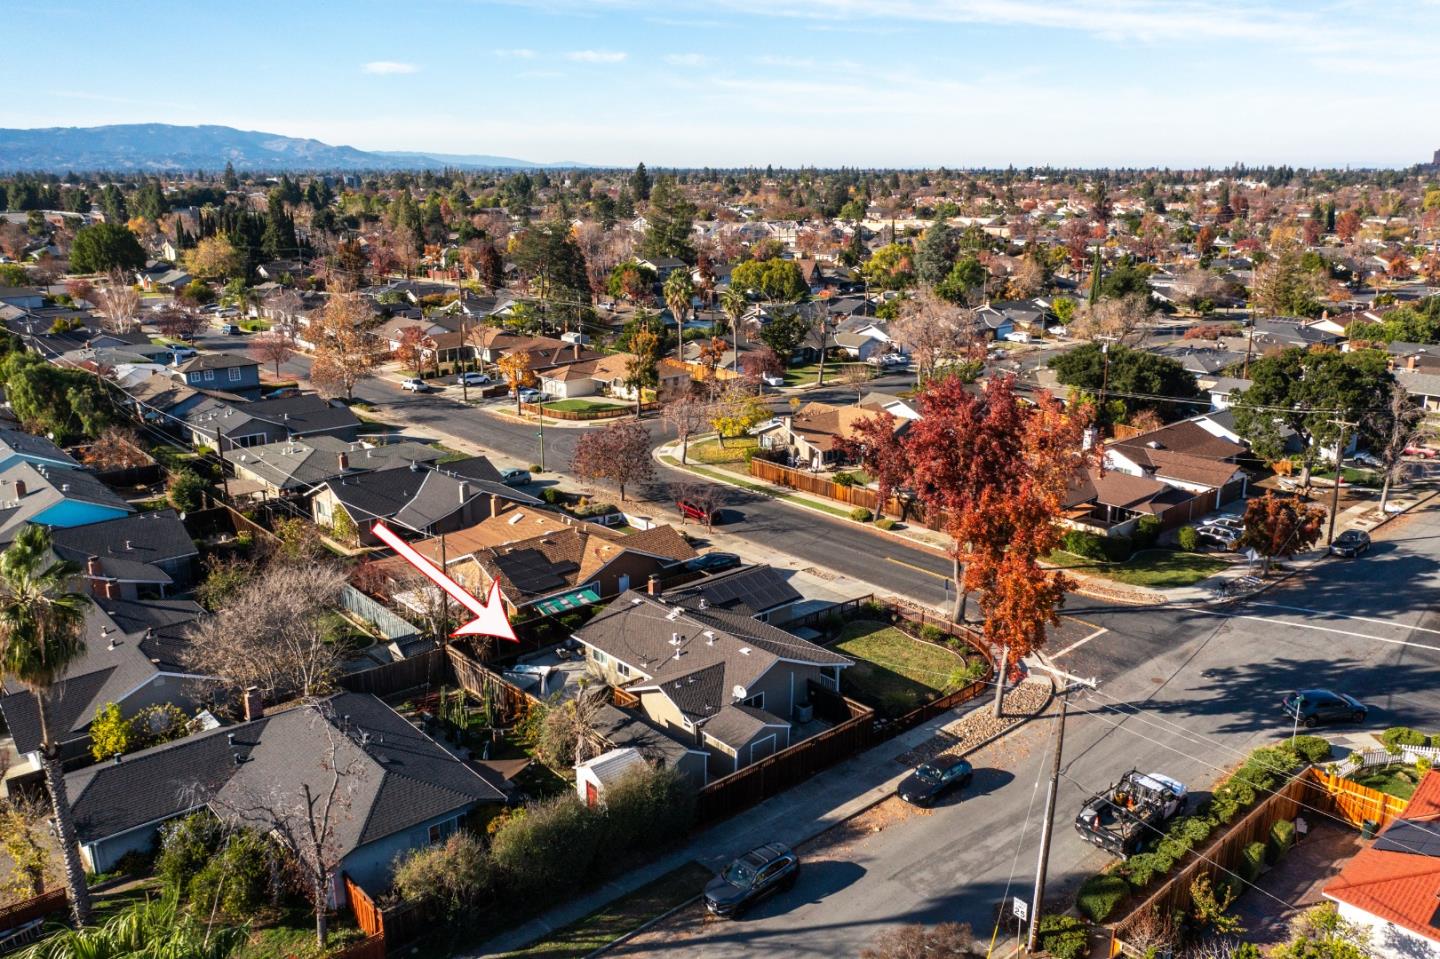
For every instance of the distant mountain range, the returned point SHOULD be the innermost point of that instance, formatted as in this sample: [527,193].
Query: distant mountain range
[161,147]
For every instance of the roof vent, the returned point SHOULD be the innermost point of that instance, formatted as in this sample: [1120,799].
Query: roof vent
[674,614]
[744,650]
[709,638]
[674,639]
[702,602]
[515,519]
[1155,445]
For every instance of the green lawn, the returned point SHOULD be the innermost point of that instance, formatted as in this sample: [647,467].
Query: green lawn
[892,670]
[1398,779]
[1354,476]
[624,915]
[584,406]
[1155,568]
[710,451]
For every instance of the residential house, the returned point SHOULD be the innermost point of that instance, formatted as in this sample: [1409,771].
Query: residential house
[1112,502]
[134,656]
[1423,388]
[1392,888]
[18,446]
[54,497]
[427,500]
[402,790]
[23,297]
[729,683]
[143,553]
[812,435]
[224,425]
[230,372]
[628,729]
[297,466]
[761,592]
[1184,455]
[567,567]
[1284,332]
[1221,389]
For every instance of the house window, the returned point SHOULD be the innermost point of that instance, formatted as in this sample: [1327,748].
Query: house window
[600,658]
[209,375]
[234,374]
[442,830]
[757,701]
[621,668]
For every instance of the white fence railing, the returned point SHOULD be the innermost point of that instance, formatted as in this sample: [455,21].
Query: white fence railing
[1379,757]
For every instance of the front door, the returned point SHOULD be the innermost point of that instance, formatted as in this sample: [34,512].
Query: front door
[623,583]
[592,795]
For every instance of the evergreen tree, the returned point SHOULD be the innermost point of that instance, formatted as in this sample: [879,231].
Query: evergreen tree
[231,181]
[936,253]
[640,182]
[1095,280]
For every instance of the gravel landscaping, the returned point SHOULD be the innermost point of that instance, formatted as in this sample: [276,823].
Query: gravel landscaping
[979,725]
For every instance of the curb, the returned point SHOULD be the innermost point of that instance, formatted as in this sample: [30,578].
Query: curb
[654,920]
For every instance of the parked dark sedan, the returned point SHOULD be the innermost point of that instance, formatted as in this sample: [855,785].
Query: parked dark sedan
[1350,543]
[755,875]
[934,779]
[712,563]
[1316,706]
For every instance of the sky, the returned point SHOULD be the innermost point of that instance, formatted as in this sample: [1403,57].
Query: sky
[892,83]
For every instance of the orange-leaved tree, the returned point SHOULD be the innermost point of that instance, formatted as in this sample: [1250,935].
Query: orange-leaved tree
[1277,527]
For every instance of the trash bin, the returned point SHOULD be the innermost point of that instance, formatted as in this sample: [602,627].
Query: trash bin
[1368,829]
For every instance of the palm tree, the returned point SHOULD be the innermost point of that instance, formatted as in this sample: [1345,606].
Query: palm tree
[679,291]
[153,927]
[734,304]
[42,627]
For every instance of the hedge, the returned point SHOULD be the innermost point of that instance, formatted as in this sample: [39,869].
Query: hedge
[1188,539]
[1282,837]
[1252,862]
[1397,736]
[1100,894]
[1064,937]
[1115,549]
[1147,531]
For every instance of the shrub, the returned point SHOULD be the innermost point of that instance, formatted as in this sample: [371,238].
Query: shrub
[450,877]
[236,880]
[1064,937]
[1282,837]
[1100,895]
[648,807]
[885,523]
[536,468]
[552,495]
[186,488]
[1173,848]
[548,851]
[861,515]
[1142,868]
[1312,749]
[1252,861]
[1397,736]
[845,479]
[1081,543]
[1188,539]
[1147,530]
[1194,829]
[933,634]
[1223,807]
[111,733]
[185,846]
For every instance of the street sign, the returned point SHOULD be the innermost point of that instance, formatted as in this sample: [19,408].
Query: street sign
[1021,908]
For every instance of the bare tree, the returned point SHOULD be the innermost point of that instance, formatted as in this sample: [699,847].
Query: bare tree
[179,324]
[1121,320]
[932,329]
[949,940]
[119,303]
[856,376]
[308,822]
[1401,424]
[275,346]
[688,415]
[707,496]
[568,731]
[269,633]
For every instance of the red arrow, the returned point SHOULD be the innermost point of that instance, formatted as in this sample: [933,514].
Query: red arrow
[490,618]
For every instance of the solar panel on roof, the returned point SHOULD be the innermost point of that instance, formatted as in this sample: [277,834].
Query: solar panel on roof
[1411,837]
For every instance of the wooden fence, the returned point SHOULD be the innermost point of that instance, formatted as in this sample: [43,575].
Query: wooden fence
[510,700]
[371,947]
[429,668]
[1357,804]
[789,767]
[805,482]
[28,910]
[1222,856]
[368,916]
[848,610]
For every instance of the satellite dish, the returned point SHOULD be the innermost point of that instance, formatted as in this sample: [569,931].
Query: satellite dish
[739,692]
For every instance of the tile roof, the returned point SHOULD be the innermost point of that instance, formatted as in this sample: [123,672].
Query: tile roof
[1398,887]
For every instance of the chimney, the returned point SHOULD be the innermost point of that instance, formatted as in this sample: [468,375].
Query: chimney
[575,349]
[92,567]
[344,462]
[652,586]
[494,504]
[253,703]
[19,489]
[464,492]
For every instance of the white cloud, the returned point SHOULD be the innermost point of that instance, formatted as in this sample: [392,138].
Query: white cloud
[387,68]
[596,56]
[686,59]
[519,53]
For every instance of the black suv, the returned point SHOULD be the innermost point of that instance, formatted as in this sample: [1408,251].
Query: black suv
[752,877]
[1311,707]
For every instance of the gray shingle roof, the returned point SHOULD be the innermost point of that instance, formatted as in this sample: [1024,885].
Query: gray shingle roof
[736,725]
[303,463]
[215,361]
[155,537]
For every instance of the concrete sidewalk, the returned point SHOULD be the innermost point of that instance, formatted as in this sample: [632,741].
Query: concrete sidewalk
[793,817]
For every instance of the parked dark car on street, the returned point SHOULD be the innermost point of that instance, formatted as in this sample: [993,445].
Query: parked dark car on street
[1350,543]
[712,563]
[1314,707]
[755,875]
[934,779]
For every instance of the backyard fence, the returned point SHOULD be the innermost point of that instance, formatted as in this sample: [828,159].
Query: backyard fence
[429,668]
[29,910]
[510,700]
[1380,757]
[1357,804]
[371,947]
[788,767]
[392,627]
[848,610]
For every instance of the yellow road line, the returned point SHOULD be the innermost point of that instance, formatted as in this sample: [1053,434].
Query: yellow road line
[918,569]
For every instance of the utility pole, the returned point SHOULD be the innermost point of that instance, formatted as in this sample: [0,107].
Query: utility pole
[1037,897]
[462,361]
[1339,472]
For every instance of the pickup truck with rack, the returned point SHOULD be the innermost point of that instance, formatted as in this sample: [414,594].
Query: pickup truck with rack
[1130,814]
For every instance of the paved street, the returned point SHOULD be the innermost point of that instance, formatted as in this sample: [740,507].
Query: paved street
[1182,691]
